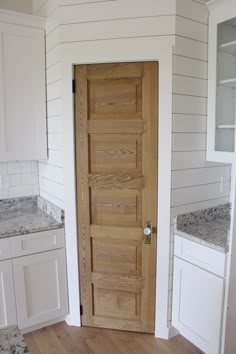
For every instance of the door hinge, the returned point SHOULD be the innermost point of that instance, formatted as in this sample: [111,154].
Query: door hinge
[81,310]
[73,86]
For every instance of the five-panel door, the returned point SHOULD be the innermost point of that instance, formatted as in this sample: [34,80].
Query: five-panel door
[116,165]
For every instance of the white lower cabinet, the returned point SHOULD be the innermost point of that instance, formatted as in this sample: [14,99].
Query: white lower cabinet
[33,280]
[7,297]
[198,304]
[40,287]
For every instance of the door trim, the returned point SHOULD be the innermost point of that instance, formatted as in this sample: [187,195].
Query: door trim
[126,50]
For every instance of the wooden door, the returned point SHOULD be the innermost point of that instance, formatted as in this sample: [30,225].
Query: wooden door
[116,165]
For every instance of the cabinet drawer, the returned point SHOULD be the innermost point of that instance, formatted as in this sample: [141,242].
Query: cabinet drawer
[201,256]
[5,249]
[37,242]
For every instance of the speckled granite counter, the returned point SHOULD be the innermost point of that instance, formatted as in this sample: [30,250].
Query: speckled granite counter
[28,215]
[12,341]
[209,227]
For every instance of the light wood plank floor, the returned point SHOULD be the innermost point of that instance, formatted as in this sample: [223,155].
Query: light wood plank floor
[62,339]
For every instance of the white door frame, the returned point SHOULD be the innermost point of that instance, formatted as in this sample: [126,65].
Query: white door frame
[109,51]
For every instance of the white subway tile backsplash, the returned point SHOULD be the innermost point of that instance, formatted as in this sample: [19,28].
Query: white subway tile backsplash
[34,167]
[14,180]
[13,168]
[3,169]
[25,167]
[19,179]
[4,193]
[36,190]
[29,178]
[19,191]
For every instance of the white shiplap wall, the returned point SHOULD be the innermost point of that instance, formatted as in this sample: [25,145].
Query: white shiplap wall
[80,21]
[51,178]
[195,182]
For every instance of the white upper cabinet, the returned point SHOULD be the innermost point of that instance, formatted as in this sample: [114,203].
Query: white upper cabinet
[221,81]
[22,88]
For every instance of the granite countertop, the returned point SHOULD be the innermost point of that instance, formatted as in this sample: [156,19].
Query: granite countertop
[209,227]
[12,341]
[28,215]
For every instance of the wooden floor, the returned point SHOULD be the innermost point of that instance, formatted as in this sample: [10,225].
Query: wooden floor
[62,339]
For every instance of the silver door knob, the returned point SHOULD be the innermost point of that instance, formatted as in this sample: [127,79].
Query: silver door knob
[147,231]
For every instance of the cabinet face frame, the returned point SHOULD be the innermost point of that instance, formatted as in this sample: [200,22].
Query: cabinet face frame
[218,13]
[7,294]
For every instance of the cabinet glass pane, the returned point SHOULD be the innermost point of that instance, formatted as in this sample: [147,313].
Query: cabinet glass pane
[226,87]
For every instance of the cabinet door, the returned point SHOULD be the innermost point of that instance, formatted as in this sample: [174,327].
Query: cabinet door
[7,295]
[22,93]
[221,88]
[197,305]
[41,287]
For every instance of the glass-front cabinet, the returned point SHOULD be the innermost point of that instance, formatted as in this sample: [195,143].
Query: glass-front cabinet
[221,130]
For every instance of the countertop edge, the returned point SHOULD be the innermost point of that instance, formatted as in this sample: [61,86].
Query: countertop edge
[33,231]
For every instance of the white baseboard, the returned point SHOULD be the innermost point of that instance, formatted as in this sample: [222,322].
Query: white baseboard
[41,325]
[166,332]
[73,321]
[173,332]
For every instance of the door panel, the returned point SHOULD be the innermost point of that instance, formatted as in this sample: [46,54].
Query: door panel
[116,164]
[122,152]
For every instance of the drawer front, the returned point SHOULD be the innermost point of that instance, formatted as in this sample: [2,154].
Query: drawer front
[5,249]
[201,256]
[37,242]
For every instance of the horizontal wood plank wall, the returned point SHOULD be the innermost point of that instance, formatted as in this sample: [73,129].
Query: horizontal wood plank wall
[51,176]
[195,182]
[74,21]
[190,114]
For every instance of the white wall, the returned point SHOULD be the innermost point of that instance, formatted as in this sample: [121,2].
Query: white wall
[73,21]
[51,176]
[195,183]
[17,5]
